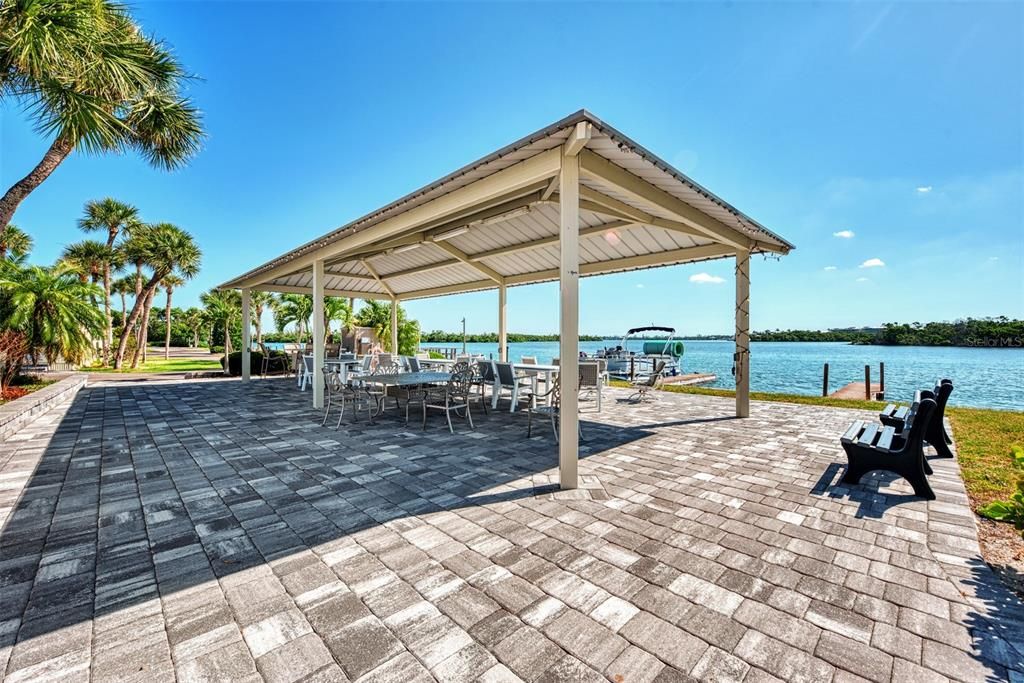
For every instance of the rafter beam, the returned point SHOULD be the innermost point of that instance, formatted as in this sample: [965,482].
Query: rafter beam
[550,189]
[377,277]
[579,136]
[464,258]
[597,167]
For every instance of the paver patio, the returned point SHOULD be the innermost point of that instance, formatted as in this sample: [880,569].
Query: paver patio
[209,531]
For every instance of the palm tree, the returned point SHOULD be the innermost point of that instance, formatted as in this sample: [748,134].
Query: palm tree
[14,241]
[294,308]
[194,319]
[169,283]
[52,307]
[123,287]
[260,301]
[112,217]
[225,305]
[92,79]
[87,260]
[335,309]
[168,249]
[377,316]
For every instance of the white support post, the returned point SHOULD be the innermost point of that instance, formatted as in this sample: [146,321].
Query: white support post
[742,355]
[569,332]
[318,333]
[246,334]
[394,325]
[502,324]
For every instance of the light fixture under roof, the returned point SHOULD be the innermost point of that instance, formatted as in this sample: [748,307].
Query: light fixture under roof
[448,234]
[405,247]
[521,211]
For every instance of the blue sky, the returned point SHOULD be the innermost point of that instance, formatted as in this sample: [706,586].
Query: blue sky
[899,123]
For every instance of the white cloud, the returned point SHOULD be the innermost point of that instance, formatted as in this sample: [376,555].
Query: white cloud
[639,286]
[830,268]
[993,258]
[863,279]
[845,234]
[704,279]
[873,263]
[924,189]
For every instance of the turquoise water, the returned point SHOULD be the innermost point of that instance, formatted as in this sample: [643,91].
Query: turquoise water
[983,377]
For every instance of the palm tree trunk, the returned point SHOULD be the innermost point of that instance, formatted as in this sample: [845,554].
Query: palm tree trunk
[129,323]
[143,336]
[108,331]
[167,324]
[259,326]
[58,152]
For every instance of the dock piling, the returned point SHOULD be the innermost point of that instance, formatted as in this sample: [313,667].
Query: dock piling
[824,382]
[881,377]
[867,382]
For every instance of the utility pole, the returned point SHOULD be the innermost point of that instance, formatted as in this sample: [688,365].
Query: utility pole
[463,336]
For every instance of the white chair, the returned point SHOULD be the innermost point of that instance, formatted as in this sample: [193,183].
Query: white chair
[307,371]
[506,379]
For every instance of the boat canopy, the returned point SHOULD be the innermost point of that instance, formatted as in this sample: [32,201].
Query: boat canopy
[652,328]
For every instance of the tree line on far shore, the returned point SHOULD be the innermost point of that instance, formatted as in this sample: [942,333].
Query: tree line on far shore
[996,332]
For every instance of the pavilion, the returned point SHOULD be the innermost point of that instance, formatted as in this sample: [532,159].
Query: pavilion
[575,198]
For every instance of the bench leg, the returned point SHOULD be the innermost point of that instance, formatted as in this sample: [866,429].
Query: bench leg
[920,484]
[939,444]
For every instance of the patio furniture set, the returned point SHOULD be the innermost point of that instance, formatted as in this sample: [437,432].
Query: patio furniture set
[896,443]
[372,383]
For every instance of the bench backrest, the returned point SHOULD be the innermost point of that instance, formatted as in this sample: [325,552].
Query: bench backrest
[942,391]
[917,420]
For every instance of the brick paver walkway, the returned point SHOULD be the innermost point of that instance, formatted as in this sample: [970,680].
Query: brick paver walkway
[202,531]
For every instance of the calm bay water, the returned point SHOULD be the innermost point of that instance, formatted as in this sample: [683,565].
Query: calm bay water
[983,377]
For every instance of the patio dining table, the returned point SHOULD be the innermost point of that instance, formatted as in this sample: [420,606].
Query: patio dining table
[404,379]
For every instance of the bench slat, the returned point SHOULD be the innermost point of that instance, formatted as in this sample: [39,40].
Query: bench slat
[885,440]
[868,437]
[901,413]
[853,431]
[889,410]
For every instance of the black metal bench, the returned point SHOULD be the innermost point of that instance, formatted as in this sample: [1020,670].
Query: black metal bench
[870,446]
[937,436]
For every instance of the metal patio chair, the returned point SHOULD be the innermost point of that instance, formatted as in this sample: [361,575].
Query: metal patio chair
[453,396]
[341,393]
[270,360]
[550,409]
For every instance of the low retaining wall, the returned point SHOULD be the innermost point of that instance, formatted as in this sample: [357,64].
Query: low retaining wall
[18,413]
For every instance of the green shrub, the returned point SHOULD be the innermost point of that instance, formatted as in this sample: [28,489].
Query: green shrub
[436,355]
[1011,510]
[216,349]
[255,362]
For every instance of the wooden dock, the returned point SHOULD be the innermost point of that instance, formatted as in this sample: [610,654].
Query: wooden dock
[854,391]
